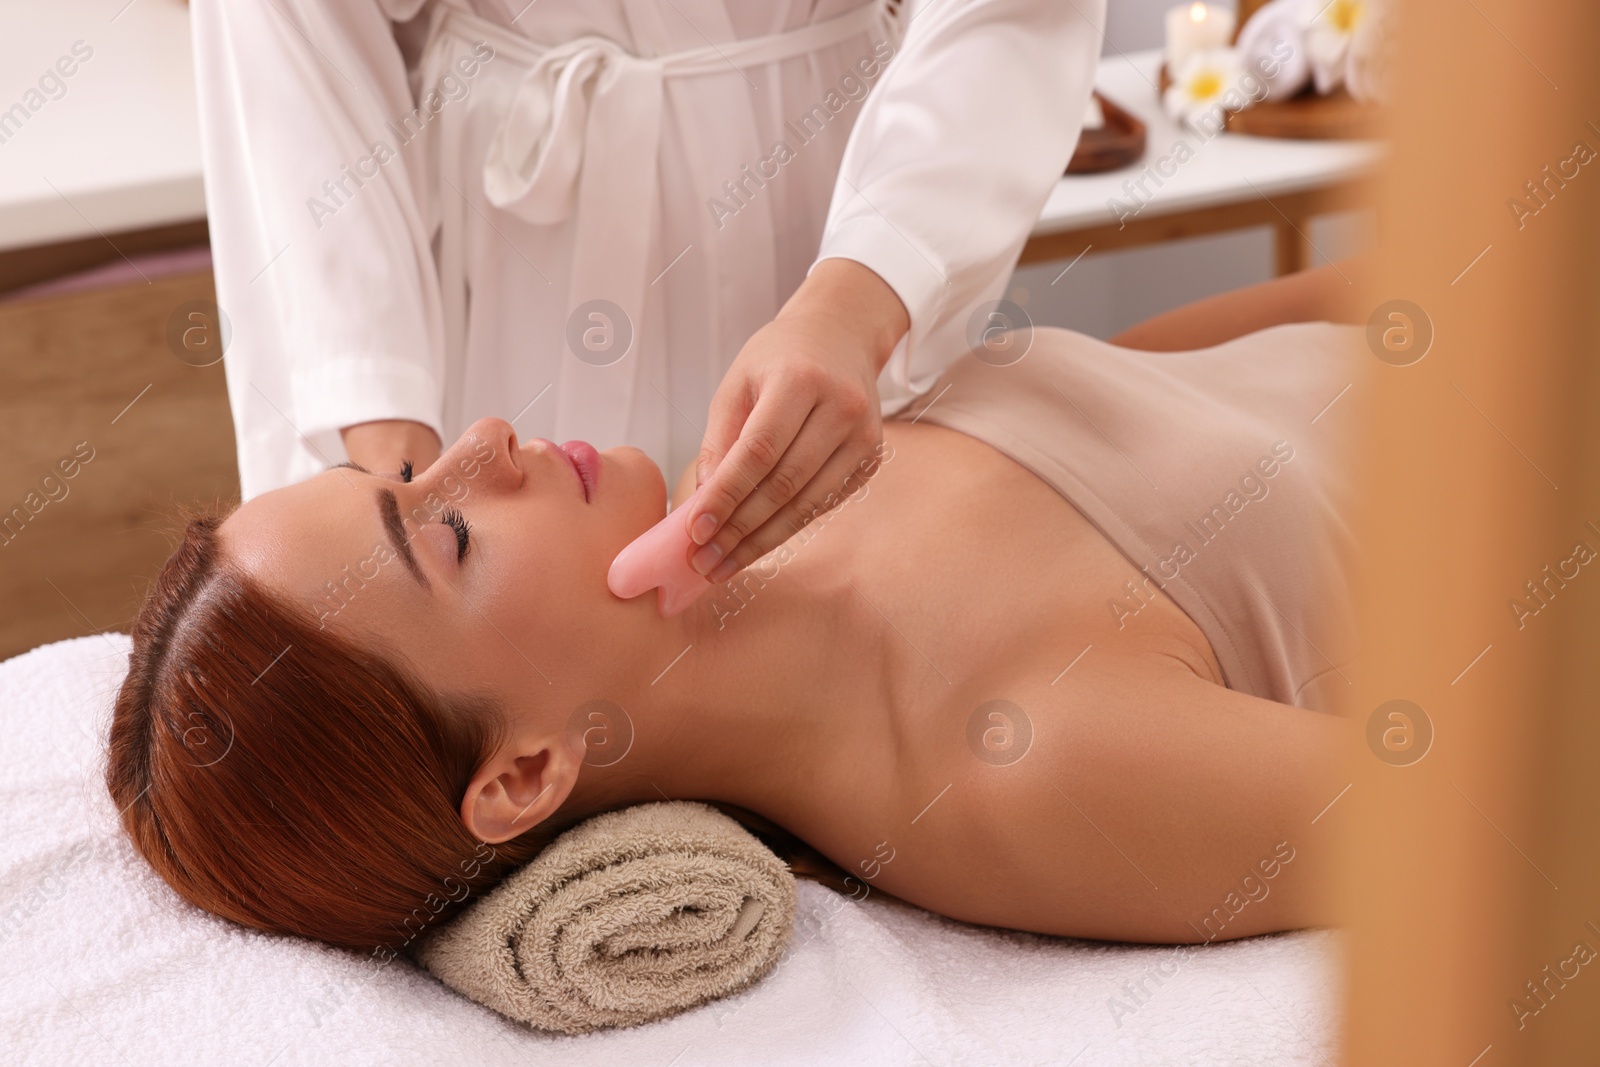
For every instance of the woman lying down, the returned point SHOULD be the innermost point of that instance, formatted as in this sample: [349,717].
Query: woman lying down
[1065,664]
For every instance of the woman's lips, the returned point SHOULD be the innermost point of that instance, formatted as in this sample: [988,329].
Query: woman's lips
[586,461]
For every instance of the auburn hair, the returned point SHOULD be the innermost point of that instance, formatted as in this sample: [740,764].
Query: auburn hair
[275,774]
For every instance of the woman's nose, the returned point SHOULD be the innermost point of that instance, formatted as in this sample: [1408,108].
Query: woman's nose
[483,459]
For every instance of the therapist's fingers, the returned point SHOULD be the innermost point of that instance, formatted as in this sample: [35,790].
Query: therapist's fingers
[730,407]
[837,434]
[829,428]
[759,452]
[843,476]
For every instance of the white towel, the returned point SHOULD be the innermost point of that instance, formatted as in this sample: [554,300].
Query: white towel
[105,964]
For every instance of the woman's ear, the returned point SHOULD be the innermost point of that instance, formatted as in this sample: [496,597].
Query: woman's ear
[516,789]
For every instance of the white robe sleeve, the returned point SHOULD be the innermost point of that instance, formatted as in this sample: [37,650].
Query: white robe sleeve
[952,158]
[320,231]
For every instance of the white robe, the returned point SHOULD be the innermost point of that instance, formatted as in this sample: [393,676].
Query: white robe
[366,271]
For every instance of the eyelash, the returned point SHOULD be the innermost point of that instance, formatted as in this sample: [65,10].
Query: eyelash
[451,518]
[454,519]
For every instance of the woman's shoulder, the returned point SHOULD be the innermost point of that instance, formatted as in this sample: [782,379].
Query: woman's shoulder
[1050,367]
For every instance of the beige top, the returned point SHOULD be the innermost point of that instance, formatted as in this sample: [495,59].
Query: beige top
[1225,474]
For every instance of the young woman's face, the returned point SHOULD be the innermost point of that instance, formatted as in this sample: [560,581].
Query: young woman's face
[484,573]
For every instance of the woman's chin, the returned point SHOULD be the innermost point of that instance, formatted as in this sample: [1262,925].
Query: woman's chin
[640,483]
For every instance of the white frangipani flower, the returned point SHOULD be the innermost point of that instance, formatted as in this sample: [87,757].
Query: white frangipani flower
[1369,61]
[1200,86]
[1328,39]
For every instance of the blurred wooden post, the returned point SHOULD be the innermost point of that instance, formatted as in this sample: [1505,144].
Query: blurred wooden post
[1242,11]
[1472,881]
[1290,250]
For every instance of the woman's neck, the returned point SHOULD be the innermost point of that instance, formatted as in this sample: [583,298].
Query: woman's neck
[763,693]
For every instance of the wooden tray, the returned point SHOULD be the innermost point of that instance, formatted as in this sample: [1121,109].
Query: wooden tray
[1118,143]
[1337,116]
[1305,116]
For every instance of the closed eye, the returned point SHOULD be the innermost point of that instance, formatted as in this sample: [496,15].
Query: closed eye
[457,522]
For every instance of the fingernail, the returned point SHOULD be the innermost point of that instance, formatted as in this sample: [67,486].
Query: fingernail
[706,557]
[703,528]
[723,572]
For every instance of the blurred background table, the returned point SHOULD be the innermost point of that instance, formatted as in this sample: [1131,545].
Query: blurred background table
[1231,182]
[116,158]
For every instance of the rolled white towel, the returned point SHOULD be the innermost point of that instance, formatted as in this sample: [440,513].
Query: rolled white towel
[1274,39]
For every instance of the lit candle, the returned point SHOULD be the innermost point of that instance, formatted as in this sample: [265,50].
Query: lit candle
[1193,28]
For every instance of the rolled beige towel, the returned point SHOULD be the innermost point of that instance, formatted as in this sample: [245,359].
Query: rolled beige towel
[627,917]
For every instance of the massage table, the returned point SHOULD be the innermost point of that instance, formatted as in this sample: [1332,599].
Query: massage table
[103,963]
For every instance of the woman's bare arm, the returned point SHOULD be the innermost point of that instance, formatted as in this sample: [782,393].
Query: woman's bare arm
[1153,805]
[1327,293]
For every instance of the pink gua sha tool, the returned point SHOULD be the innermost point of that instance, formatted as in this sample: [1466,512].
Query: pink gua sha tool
[659,558]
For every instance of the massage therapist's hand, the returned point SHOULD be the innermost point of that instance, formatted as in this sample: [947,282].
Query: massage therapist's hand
[795,415]
[381,446]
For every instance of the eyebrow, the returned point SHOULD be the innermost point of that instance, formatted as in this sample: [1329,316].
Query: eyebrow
[389,509]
